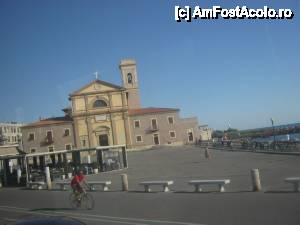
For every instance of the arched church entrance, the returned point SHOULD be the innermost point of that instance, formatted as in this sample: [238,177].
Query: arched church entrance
[102,134]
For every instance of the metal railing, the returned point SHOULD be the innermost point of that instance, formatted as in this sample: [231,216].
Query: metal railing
[278,146]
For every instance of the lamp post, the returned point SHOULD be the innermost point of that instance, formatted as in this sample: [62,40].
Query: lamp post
[274,139]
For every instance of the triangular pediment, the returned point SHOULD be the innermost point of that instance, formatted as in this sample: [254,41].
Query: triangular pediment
[96,86]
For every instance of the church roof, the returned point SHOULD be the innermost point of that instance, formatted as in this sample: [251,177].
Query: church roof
[49,121]
[150,110]
[99,82]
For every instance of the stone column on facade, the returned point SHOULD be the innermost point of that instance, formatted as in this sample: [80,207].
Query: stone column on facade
[126,120]
[124,100]
[113,129]
[76,133]
[112,123]
[87,120]
[127,129]
[90,132]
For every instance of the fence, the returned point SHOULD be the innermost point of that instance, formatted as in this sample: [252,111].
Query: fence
[278,146]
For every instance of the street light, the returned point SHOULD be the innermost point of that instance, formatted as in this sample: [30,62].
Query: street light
[272,121]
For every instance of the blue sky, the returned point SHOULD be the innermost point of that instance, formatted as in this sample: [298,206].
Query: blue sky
[237,72]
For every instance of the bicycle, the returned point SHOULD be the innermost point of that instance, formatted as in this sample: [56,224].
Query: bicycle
[83,199]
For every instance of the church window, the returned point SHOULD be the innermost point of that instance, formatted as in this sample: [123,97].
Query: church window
[99,103]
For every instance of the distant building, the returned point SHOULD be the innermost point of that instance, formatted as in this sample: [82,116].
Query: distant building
[10,133]
[205,133]
[103,114]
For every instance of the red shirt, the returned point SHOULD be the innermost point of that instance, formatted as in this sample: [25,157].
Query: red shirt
[77,179]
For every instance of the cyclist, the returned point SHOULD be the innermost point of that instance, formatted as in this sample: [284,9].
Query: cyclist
[77,182]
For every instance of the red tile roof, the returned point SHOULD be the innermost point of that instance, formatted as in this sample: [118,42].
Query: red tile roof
[49,121]
[150,110]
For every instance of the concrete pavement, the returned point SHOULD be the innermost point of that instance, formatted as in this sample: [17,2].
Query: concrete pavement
[275,205]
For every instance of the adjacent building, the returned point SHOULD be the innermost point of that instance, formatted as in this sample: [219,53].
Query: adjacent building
[104,114]
[161,126]
[48,135]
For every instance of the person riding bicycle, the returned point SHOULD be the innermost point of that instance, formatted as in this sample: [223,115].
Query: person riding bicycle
[77,182]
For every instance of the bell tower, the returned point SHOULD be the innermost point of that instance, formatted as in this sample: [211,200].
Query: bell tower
[130,82]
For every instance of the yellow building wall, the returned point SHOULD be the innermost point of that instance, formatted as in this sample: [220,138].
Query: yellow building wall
[96,87]
[120,132]
[79,104]
[82,129]
[95,136]
[116,100]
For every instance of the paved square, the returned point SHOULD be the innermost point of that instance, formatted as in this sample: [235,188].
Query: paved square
[276,204]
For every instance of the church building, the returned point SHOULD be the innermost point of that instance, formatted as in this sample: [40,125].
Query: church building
[105,114]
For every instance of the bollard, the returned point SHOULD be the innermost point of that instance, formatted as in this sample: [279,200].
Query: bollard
[207,153]
[48,178]
[255,180]
[124,182]
[19,173]
[89,158]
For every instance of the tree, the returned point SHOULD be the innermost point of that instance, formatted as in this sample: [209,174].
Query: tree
[217,134]
[233,133]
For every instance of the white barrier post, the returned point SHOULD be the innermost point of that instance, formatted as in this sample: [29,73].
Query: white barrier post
[89,158]
[19,173]
[124,182]
[255,180]
[207,153]
[48,178]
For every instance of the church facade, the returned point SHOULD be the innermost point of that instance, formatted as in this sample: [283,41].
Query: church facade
[104,114]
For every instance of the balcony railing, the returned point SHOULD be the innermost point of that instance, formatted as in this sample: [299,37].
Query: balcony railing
[152,129]
[47,141]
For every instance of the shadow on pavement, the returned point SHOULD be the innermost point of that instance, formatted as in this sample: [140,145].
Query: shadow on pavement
[30,189]
[52,209]
[143,192]
[280,192]
[210,192]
